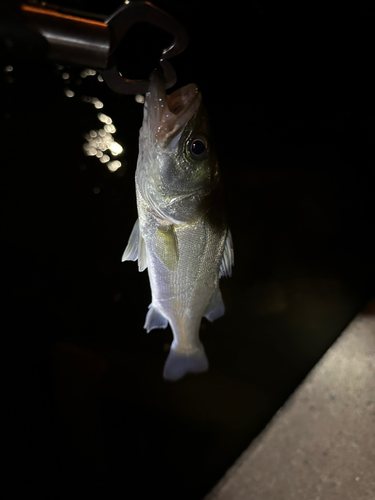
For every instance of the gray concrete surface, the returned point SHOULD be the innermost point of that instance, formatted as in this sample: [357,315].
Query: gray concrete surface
[321,444]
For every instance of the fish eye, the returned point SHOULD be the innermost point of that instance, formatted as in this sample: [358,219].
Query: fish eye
[197,149]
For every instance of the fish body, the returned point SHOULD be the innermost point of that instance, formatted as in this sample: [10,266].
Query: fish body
[181,235]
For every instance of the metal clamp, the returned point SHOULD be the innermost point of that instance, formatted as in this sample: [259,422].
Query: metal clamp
[76,39]
[119,23]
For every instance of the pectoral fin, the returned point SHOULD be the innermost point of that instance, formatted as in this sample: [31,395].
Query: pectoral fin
[215,308]
[136,248]
[166,246]
[228,257]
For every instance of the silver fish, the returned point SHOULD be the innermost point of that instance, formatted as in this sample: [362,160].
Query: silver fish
[181,235]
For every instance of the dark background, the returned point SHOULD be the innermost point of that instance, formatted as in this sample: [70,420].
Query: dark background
[290,94]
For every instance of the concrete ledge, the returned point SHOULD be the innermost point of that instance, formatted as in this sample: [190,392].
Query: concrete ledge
[321,444]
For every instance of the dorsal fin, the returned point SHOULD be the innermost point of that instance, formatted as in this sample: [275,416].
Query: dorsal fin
[228,257]
[215,308]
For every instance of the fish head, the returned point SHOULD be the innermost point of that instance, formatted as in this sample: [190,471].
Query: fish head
[177,162]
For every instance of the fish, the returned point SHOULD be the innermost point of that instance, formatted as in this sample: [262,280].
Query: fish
[181,235]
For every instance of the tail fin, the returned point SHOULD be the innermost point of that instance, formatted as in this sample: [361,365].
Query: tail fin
[180,362]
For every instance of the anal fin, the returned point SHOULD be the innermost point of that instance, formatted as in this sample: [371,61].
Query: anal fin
[154,319]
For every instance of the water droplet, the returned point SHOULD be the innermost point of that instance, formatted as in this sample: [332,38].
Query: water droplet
[114,165]
[111,129]
[97,102]
[115,148]
[87,72]
[105,159]
[104,118]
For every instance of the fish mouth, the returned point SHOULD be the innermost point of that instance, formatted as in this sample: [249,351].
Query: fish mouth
[181,197]
[168,114]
